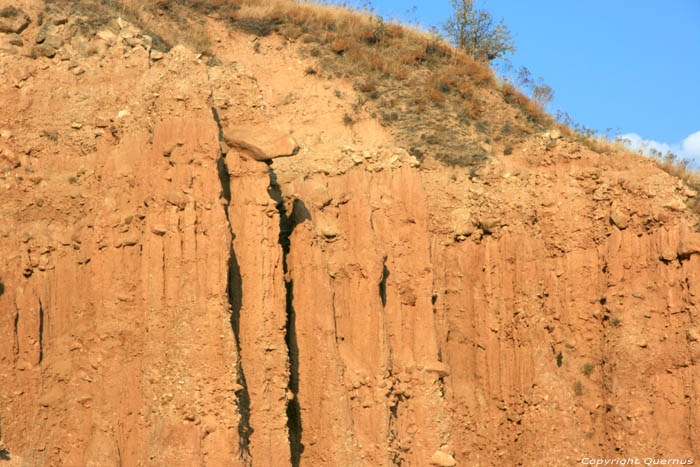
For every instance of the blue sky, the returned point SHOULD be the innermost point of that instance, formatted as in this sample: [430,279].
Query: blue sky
[631,66]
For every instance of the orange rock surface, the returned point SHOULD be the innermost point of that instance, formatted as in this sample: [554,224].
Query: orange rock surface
[166,303]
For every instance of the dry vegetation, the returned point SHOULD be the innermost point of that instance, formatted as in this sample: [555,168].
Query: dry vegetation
[438,101]
[681,168]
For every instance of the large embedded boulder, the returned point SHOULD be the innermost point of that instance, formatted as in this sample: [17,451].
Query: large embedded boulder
[261,142]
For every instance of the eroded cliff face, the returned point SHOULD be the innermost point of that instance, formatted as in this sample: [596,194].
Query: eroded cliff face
[168,300]
[483,347]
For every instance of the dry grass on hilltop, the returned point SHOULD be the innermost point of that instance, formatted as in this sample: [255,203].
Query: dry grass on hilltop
[438,101]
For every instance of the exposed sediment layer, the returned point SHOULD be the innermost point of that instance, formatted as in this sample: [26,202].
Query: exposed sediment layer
[167,303]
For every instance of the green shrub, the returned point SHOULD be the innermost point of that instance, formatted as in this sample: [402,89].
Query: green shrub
[476,32]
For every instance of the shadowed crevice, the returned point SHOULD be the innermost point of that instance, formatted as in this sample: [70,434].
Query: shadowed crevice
[382,283]
[287,224]
[235,300]
[15,330]
[293,407]
[234,291]
[41,331]
[4,453]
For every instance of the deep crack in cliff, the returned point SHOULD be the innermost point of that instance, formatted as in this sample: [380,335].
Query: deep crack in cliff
[234,292]
[139,363]
[41,332]
[287,225]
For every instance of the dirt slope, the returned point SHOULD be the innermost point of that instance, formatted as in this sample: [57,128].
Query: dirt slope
[169,300]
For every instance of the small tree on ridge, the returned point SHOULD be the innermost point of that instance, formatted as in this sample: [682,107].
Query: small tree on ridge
[477,33]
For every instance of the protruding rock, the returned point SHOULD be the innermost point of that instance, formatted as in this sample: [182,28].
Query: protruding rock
[159,229]
[130,239]
[83,257]
[692,334]
[128,33]
[147,42]
[675,205]
[668,255]
[44,50]
[327,227]
[132,41]
[619,219]
[462,223]
[554,133]
[489,223]
[318,196]
[43,33]
[108,36]
[8,160]
[14,39]
[177,199]
[122,23]
[156,55]
[260,142]
[439,368]
[101,122]
[689,245]
[13,20]
[54,41]
[442,459]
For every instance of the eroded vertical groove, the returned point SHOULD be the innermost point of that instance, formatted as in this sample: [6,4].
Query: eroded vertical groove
[293,407]
[15,344]
[606,369]
[287,225]
[335,317]
[234,291]
[694,396]
[382,283]
[235,299]
[41,331]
